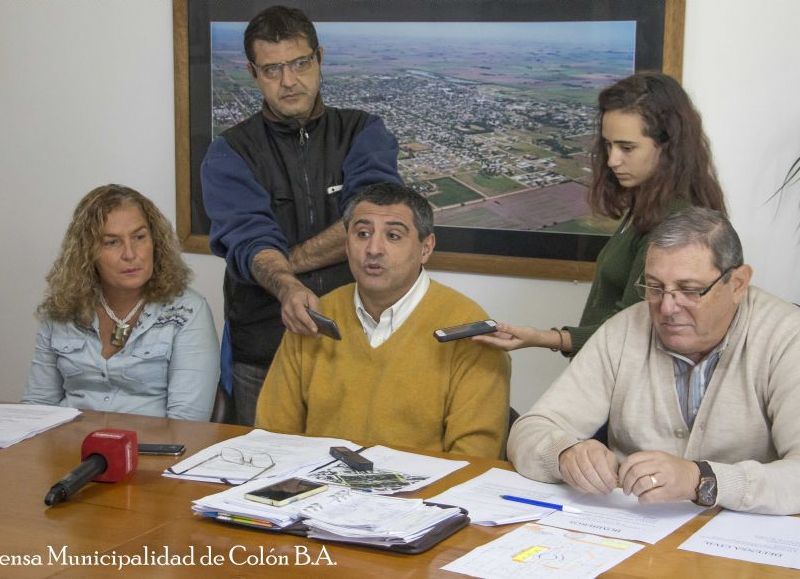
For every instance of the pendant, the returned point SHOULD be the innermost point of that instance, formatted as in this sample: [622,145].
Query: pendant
[120,335]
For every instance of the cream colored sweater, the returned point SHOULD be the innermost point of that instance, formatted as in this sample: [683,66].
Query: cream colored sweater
[409,391]
[747,427]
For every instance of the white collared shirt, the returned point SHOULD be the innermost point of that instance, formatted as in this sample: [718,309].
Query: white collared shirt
[392,317]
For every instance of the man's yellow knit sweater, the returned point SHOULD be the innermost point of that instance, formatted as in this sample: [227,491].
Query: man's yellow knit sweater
[409,391]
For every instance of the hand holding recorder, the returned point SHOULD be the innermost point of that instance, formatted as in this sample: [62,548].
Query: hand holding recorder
[465,330]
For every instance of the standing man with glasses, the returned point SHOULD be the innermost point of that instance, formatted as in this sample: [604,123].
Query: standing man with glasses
[275,186]
[700,385]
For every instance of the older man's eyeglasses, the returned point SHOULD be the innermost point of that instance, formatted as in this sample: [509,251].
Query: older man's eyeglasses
[297,66]
[685,297]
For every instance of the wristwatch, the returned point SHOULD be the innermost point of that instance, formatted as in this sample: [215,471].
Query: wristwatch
[707,489]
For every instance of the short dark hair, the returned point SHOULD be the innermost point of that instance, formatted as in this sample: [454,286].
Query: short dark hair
[278,23]
[704,227]
[394,194]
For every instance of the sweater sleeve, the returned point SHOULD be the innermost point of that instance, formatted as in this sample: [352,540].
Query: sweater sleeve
[570,411]
[281,405]
[372,158]
[580,334]
[476,421]
[770,487]
[242,221]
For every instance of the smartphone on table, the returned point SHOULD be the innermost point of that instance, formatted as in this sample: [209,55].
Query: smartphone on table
[286,491]
[162,449]
[465,330]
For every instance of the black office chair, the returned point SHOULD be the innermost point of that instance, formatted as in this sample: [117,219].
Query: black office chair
[512,417]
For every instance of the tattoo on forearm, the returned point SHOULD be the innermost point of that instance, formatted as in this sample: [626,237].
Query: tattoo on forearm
[271,272]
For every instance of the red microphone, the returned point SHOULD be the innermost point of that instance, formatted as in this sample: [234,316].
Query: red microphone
[108,455]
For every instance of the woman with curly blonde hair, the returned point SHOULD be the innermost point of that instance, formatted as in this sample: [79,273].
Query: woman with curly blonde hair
[120,329]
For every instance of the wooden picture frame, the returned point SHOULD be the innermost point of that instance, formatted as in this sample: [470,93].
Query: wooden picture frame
[558,256]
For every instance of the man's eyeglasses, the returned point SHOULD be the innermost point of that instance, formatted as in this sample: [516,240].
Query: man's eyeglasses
[685,297]
[297,66]
[259,460]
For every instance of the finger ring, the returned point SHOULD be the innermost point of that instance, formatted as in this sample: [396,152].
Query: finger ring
[653,480]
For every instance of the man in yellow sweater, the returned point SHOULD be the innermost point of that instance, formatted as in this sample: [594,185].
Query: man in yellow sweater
[388,381]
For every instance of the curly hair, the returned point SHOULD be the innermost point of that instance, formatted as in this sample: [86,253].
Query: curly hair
[685,169]
[73,284]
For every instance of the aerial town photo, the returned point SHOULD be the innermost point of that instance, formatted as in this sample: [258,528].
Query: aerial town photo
[495,120]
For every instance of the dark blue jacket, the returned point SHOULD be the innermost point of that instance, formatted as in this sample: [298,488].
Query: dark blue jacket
[271,185]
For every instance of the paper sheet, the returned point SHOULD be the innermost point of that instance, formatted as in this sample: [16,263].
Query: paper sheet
[534,550]
[766,539]
[336,514]
[613,515]
[309,457]
[291,453]
[21,421]
[481,497]
[616,515]
[393,471]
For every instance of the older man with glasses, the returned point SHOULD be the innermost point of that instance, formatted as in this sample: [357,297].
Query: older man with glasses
[275,186]
[700,385]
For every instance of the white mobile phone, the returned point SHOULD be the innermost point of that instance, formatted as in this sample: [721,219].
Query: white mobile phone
[465,330]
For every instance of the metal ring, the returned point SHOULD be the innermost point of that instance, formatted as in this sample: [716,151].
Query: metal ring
[653,480]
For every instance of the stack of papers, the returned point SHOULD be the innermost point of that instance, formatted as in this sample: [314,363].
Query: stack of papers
[21,421]
[309,457]
[230,505]
[337,514]
[376,520]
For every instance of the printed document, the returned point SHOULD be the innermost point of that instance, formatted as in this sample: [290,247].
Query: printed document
[21,421]
[393,471]
[534,550]
[767,539]
[290,453]
[337,514]
[309,457]
[616,515]
[481,497]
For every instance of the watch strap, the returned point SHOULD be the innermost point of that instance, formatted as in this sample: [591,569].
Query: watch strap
[707,486]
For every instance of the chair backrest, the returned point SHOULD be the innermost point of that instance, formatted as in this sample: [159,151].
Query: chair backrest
[512,417]
[223,410]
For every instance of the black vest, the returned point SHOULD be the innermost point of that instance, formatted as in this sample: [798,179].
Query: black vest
[296,167]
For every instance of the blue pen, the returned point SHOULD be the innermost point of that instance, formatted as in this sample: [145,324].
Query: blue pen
[534,502]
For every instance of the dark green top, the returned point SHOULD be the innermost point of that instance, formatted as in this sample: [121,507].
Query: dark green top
[619,266]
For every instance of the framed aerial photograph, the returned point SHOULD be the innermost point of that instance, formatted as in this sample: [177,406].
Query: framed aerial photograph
[493,103]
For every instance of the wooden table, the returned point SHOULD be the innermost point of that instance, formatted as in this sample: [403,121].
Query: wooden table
[153,512]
